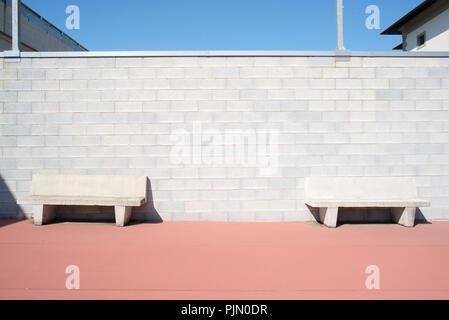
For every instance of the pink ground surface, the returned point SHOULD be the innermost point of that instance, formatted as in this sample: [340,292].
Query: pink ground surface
[205,260]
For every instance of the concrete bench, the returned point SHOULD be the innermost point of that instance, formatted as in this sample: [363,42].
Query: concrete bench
[121,192]
[330,193]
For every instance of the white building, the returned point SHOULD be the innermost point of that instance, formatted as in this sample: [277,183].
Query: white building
[37,34]
[425,28]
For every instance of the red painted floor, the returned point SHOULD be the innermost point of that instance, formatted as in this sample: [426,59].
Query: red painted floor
[202,260]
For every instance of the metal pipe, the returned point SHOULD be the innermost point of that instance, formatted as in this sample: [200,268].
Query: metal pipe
[340,46]
[15,25]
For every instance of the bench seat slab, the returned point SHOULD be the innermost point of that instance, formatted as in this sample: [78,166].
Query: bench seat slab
[318,203]
[87,201]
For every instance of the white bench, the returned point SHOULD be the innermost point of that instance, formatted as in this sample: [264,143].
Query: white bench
[122,192]
[330,193]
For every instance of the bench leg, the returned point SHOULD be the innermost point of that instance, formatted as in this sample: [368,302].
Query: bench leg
[404,216]
[43,214]
[328,216]
[122,215]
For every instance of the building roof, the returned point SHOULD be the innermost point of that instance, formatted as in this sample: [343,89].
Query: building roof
[395,27]
[52,27]
[399,47]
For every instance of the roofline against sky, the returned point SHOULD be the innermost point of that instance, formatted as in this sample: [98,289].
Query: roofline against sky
[48,23]
[105,54]
[394,28]
[51,25]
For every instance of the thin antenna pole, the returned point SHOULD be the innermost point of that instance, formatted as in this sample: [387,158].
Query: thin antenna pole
[340,46]
[16,4]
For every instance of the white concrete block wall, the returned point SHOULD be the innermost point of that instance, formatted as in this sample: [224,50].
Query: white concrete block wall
[369,116]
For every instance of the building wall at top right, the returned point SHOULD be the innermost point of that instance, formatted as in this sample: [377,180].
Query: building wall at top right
[437,34]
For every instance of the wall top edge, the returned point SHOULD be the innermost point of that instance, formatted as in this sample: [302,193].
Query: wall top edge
[104,54]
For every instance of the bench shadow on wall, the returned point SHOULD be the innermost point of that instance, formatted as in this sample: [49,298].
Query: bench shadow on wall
[145,214]
[10,211]
[367,216]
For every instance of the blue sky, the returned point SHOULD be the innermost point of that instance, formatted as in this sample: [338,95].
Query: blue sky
[223,24]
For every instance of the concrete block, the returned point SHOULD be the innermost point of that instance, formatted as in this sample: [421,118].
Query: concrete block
[72,84]
[115,140]
[45,85]
[281,72]
[184,83]
[166,73]
[100,84]
[73,107]
[308,73]
[238,84]
[253,72]
[114,95]
[348,84]
[58,96]
[44,152]
[335,94]
[389,73]
[129,84]
[402,83]
[240,61]
[31,74]
[362,116]
[439,72]
[227,94]
[72,63]
[51,74]
[237,105]
[199,206]
[214,84]
[213,61]
[128,106]
[336,73]
[362,73]
[224,72]
[321,62]
[16,85]
[44,130]
[290,61]
[58,141]
[109,74]
[30,141]
[388,94]
[14,130]
[281,94]
[170,95]
[129,62]
[276,83]
[376,83]
[23,96]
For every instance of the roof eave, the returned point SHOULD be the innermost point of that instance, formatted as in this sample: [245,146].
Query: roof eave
[394,29]
[399,47]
